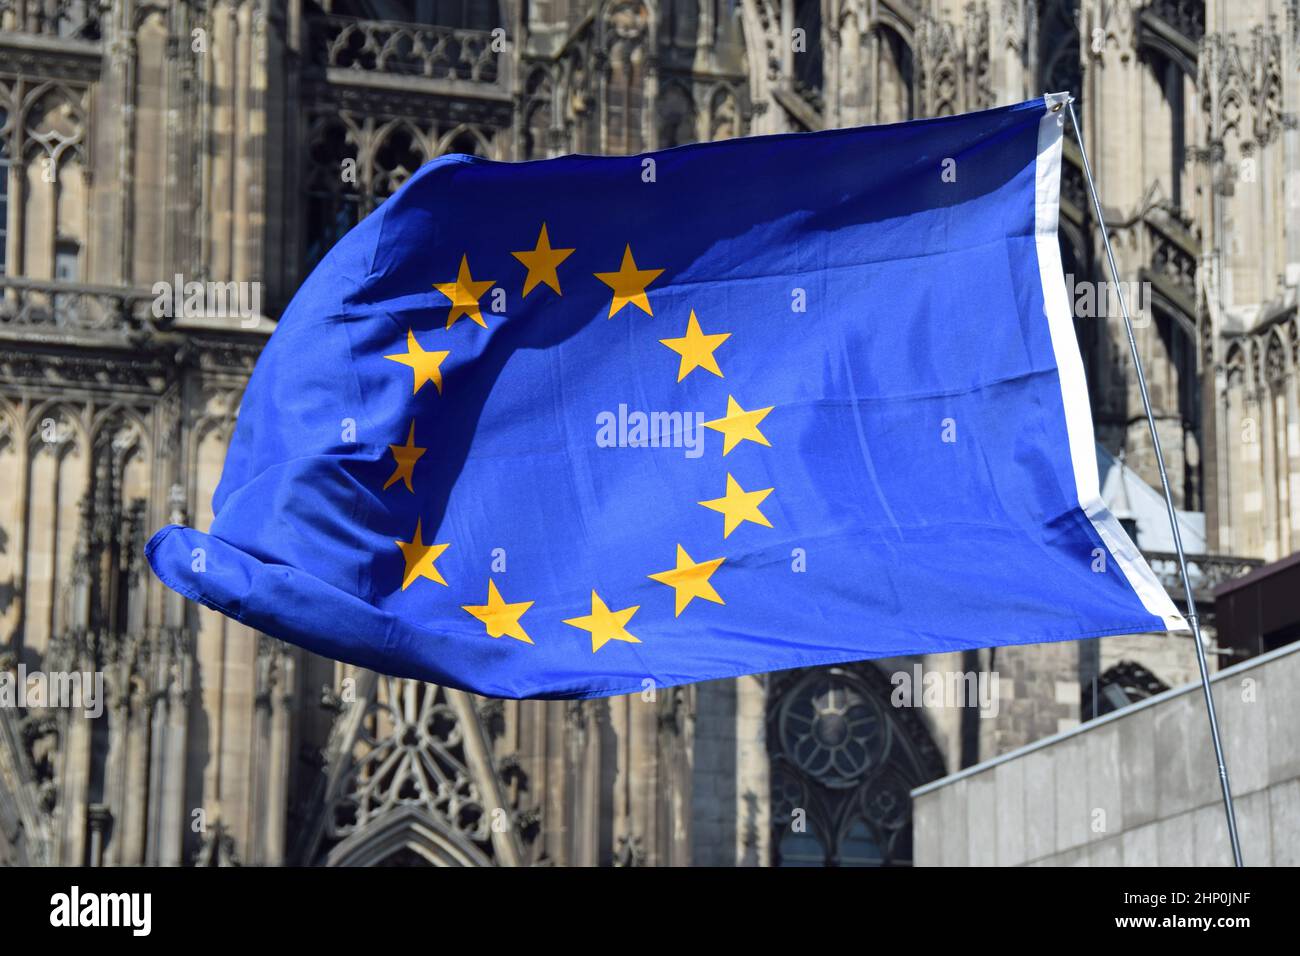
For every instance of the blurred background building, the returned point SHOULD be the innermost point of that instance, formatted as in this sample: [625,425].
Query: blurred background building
[233,141]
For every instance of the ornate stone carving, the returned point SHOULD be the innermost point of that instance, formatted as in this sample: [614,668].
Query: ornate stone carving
[65,19]
[1207,571]
[216,847]
[73,307]
[981,94]
[1174,250]
[938,86]
[629,850]
[1242,92]
[433,52]
[408,751]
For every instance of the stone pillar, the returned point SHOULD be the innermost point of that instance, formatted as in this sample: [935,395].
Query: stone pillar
[281,745]
[753,808]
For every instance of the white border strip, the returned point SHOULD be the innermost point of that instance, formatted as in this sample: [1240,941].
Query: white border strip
[1069,364]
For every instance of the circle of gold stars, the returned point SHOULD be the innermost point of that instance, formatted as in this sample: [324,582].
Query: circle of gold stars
[695,348]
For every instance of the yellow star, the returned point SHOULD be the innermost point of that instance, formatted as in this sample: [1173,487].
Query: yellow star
[739,505]
[419,559]
[605,625]
[406,456]
[501,618]
[696,349]
[541,262]
[427,366]
[690,580]
[464,294]
[629,284]
[739,424]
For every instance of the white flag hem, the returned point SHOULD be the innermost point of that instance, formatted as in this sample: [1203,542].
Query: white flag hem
[1074,388]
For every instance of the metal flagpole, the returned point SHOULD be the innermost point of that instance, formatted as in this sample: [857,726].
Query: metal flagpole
[1192,619]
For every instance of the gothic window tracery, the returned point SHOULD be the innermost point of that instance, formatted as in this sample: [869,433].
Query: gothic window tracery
[53,123]
[46,138]
[333,196]
[843,765]
[429,40]
[611,87]
[407,793]
[466,139]
[938,82]
[1118,686]
[353,164]
[401,151]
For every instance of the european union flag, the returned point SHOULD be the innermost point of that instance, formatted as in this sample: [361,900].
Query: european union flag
[565,428]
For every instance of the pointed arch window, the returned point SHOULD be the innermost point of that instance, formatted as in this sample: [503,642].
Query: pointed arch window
[333,193]
[843,765]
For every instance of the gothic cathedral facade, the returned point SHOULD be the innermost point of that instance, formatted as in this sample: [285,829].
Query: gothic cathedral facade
[146,144]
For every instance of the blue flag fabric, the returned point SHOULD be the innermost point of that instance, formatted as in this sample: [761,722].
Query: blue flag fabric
[569,427]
